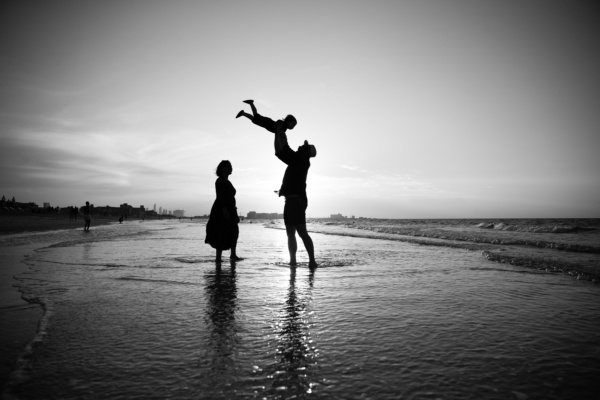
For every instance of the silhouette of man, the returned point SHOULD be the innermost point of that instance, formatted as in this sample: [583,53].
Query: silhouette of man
[87,216]
[293,188]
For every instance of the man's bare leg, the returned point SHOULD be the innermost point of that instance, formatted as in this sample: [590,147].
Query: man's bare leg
[308,244]
[292,244]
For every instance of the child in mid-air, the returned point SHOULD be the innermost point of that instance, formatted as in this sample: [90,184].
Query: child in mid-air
[277,127]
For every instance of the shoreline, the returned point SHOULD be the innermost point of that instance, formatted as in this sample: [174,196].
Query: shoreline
[19,319]
[34,223]
[574,252]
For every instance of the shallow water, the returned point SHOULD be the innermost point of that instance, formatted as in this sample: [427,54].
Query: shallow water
[144,312]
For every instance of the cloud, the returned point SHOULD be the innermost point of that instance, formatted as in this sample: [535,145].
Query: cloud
[379,185]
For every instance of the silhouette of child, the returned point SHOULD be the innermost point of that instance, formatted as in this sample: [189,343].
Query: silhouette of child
[278,127]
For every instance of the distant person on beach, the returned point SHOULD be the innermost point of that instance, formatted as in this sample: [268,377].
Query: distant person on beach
[121,219]
[222,228]
[73,213]
[87,216]
[293,188]
[278,127]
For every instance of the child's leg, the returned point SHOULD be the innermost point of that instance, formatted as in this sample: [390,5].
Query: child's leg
[252,106]
[245,114]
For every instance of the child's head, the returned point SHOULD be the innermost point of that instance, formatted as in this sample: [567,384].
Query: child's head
[290,121]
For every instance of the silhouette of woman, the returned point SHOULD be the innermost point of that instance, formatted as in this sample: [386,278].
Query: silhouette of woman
[222,229]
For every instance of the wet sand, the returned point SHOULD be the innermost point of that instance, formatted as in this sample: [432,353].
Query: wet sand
[575,252]
[18,318]
[379,317]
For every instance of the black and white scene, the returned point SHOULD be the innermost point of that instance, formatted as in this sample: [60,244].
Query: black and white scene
[334,199]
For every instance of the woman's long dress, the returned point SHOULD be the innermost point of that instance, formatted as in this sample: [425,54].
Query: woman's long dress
[222,234]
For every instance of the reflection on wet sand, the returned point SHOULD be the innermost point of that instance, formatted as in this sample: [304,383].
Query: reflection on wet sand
[294,372]
[218,354]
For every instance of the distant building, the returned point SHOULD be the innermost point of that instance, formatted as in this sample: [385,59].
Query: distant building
[124,209]
[179,213]
[255,215]
[337,216]
[46,205]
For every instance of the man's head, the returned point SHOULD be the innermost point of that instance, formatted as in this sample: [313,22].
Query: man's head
[309,149]
[290,121]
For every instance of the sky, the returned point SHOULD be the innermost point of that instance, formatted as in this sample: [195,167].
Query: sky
[418,109]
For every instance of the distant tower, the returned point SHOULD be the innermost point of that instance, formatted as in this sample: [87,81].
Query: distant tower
[154,207]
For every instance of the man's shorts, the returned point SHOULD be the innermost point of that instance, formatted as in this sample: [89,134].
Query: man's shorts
[294,211]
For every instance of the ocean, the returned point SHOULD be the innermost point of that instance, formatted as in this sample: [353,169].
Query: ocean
[142,311]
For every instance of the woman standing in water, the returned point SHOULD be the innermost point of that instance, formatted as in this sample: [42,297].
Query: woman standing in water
[222,228]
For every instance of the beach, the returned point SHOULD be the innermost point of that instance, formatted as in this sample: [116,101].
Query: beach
[31,222]
[397,308]
[19,318]
[20,235]
[19,223]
